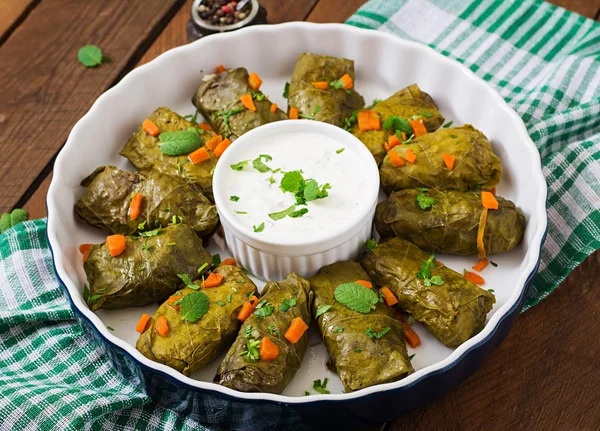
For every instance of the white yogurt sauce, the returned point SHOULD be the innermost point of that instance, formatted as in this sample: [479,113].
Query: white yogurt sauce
[316,155]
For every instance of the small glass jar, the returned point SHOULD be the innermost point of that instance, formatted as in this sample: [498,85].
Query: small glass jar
[198,27]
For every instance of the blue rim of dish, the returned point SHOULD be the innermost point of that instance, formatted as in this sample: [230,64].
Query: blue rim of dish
[516,306]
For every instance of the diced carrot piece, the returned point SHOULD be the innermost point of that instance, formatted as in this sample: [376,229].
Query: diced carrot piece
[364,121]
[268,350]
[222,147]
[320,85]
[173,299]
[410,156]
[273,108]
[162,326]
[293,113]
[410,336]
[135,206]
[448,160]
[213,280]
[85,250]
[254,300]
[254,81]
[246,310]
[395,159]
[393,141]
[220,68]
[489,201]
[141,325]
[374,122]
[248,103]
[206,127]
[418,127]
[473,278]
[403,136]
[347,82]
[480,266]
[389,298]
[212,143]
[199,156]
[115,244]
[297,328]
[229,261]
[150,128]
[365,283]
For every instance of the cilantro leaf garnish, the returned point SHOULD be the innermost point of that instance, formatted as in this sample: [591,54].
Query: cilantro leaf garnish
[150,233]
[311,116]
[425,201]
[426,114]
[322,309]
[356,297]
[273,330]
[239,165]
[247,331]
[193,306]
[287,304]
[299,213]
[91,56]
[265,311]
[303,190]
[320,387]
[374,335]
[259,165]
[225,116]
[259,228]
[425,273]
[370,244]
[234,198]
[396,123]
[251,353]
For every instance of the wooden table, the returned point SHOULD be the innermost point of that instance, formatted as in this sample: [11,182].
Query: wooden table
[544,376]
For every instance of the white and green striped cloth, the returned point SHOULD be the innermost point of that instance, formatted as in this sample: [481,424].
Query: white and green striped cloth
[544,60]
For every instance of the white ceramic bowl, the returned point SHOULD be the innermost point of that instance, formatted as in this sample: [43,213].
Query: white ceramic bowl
[274,259]
[384,64]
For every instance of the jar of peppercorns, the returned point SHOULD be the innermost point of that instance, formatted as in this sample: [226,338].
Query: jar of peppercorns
[217,16]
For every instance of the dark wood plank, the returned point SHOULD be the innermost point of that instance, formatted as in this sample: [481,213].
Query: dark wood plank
[12,13]
[544,376]
[283,11]
[36,205]
[587,8]
[334,10]
[43,88]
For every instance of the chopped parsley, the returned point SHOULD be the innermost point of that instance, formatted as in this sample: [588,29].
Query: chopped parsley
[494,264]
[242,212]
[425,202]
[110,328]
[491,290]
[265,311]
[229,297]
[273,330]
[338,330]
[412,356]
[357,350]
[259,228]
[311,116]
[286,90]
[251,353]
[374,335]
[225,116]
[370,244]
[337,84]
[340,151]
[320,387]
[221,303]
[426,114]
[239,165]
[234,198]
[257,95]
[248,331]
[287,304]
[303,190]
[259,165]
[448,124]
[149,233]
[425,273]
[187,280]
[396,123]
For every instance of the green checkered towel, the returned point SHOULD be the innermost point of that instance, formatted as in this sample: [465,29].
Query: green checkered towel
[545,62]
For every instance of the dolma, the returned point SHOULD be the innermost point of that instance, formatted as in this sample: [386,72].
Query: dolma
[146,271]
[218,100]
[451,308]
[330,105]
[451,223]
[406,103]
[243,373]
[107,199]
[475,166]
[189,346]
[143,151]
[359,360]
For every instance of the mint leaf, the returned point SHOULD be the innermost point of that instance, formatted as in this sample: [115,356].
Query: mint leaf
[292,182]
[322,309]
[425,201]
[311,190]
[396,123]
[259,165]
[193,306]
[320,387]
[370,244]
[282,214]
[287,304]
[374,335]
[259,228]
[239,165]
[90,56]
[234,198]
[356,297]
[178,143]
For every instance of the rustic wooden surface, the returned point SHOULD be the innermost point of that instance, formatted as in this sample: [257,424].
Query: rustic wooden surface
[544,375]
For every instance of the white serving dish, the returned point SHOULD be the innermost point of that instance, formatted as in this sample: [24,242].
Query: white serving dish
[384,64]
[274,259]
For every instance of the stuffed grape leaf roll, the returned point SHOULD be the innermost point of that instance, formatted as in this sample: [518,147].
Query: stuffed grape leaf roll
[360,360]
[200,327]
[107,201]
[408,103]
[451,308]
[448,221]
[143,151]
[146,271]
[474,163]
[331,104]
[245,368]
[218,100]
